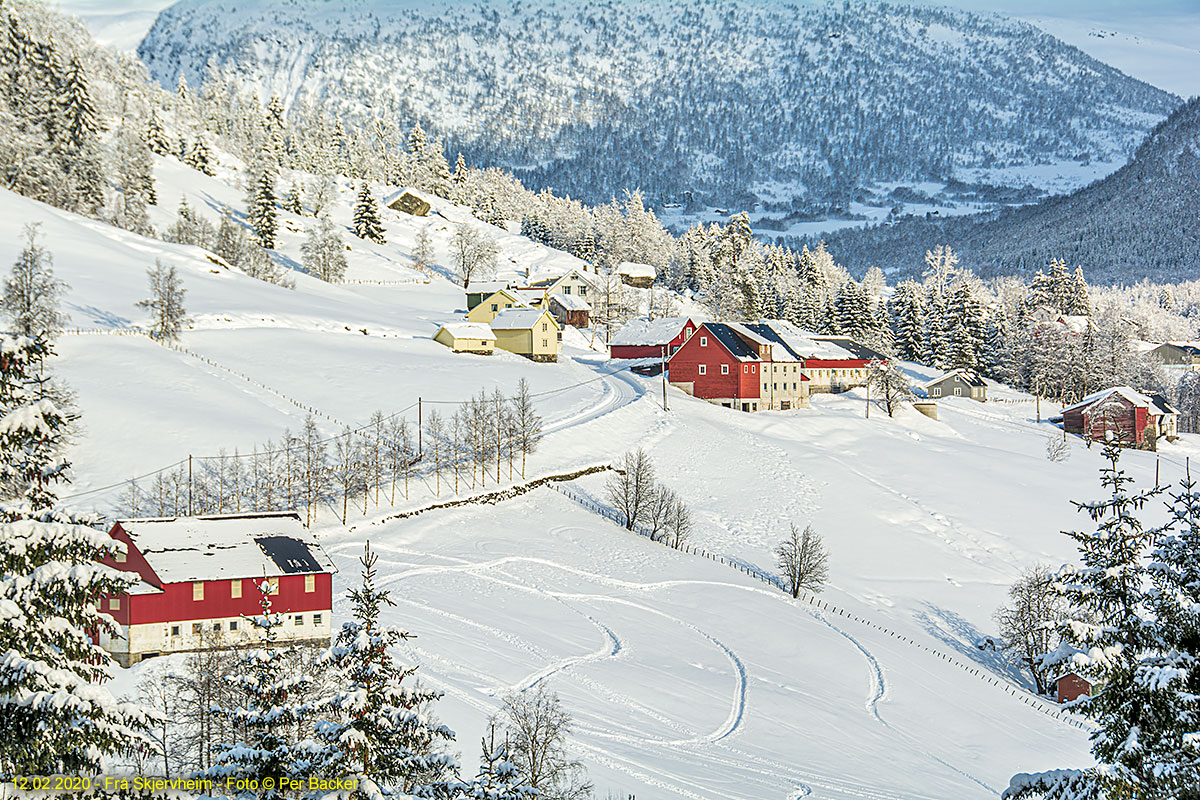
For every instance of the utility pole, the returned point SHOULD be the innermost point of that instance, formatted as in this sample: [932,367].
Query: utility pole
[869,394]
[189,484]
[664,377]
[420,449]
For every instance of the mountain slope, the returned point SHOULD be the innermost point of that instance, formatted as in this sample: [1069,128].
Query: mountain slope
[716,101]
[1139,222]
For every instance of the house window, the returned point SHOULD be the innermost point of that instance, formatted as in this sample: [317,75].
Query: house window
[298,620]
[216,627]
[545,343]
[235,588]
[724,369]
[233,624]
[114,603]
[196,628]
[316,619]
[310,583]
[495,306]
[704,341]
[582,291]
[774,385]
[764,387]
[935,392]
[174,630]
[958,391]
[566,289]
[703,369]
[198,590]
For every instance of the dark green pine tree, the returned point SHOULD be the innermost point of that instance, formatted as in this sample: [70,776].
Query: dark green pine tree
[378,730]
[55,713]
[1106,639]
[156,135]
[78,121]
[1175,670]
[291,200]
[367,224]
[909,319]
[498,778]
[966,327]
[261,213]
[266,708]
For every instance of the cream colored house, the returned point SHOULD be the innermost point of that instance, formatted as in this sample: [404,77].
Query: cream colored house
[573,283]
[494,304]
[530,332]
[467,337]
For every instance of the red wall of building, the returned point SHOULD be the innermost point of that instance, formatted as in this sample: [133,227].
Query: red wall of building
[684,368]
[176,604]
[840,363]
[1130,422]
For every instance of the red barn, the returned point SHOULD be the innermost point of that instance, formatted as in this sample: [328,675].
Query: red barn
[720,363]
[1072,686]
[199,578]
[1132,418]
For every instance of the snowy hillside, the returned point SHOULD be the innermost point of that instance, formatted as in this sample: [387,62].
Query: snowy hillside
[687,677]
[796,106]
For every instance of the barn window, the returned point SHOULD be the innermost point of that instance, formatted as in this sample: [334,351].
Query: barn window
[703,369]
[198,590]
[298,620]
[753,367]
[316,619]
[310,583]
[174,630]
[114,603]
[724,369]
[233,624]
[704,341]
[235,588]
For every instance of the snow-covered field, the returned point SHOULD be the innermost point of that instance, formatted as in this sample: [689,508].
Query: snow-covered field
[687,678]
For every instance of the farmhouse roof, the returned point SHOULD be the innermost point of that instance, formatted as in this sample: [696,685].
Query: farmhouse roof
[570,302]
[517,319]
[259,545]
[469,330]
[1132,395]
[965,375]
[636,270]
[855,350]
[728,338]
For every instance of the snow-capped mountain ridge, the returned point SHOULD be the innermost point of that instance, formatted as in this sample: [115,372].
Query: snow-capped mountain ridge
[688,102]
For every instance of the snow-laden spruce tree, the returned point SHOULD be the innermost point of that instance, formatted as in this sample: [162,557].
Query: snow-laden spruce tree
[261,212]
[165,305]
[31,293]
[1110,638]
[55,715]
[367,224]
[379,732]
[1174,745]
[323,252]
[265,711]
[498,777]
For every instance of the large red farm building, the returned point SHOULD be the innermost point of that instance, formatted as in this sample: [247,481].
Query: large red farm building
[199,578]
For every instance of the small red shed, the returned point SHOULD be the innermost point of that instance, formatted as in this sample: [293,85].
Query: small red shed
[646,338]
[199,578]
[1072,686]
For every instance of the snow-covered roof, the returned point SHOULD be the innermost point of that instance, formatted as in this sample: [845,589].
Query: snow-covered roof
[806,345]
[469,330]
[486,287]
[396,195]
[749,334]
[554,280]
[260,545]
[517,318]
[1075,322]
[1132,395]
[528,295]
[636,270]
[642,331]
[965,375]
[570,302]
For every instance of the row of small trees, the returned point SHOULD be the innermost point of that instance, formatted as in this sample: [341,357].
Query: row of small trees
[485,438]
[645,504]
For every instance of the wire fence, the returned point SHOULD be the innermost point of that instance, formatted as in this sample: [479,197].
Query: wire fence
[812,600]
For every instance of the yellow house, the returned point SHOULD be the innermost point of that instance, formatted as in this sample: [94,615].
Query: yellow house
[492,305]
[530,332]
[467,337]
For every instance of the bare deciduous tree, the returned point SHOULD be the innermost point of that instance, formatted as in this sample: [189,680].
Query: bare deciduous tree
[474,253]
[679,524]
[1028,624]
[631,489]
[803,561]
[527,423]
[537,727]
[889,385]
